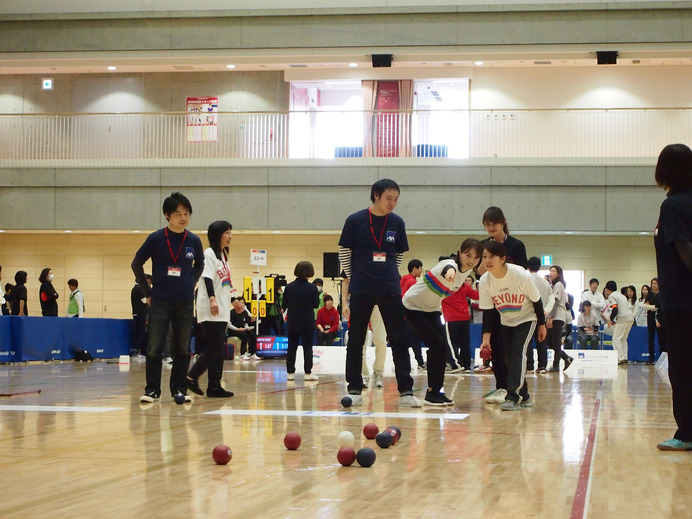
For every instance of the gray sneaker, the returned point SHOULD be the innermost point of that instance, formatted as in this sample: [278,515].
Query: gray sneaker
[355,399]
[366,381]
[496,397]
[526,403]
[379,381]
[409,401]
[509,405]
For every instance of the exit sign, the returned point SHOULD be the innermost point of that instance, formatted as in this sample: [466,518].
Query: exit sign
[546,259]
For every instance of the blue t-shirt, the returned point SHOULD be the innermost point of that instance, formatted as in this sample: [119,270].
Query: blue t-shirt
[369,276]
[175,269]
[674,278]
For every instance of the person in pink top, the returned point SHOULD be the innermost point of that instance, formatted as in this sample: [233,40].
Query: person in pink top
[327,322]
[455,310]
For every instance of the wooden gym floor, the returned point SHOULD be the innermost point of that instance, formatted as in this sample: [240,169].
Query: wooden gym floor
[84,447]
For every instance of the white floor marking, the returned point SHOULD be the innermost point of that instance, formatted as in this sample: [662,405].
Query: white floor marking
[58,408]
[341,414]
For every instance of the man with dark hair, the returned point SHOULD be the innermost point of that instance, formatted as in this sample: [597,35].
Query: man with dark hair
[242,326]
[75,301]
[372,245]
[593,296]
[177,261]
[415,270]
[548,300]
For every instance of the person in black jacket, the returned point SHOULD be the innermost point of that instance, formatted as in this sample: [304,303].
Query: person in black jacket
[17,298]
[47,294]
[140,313]
[300,299]
[242,325]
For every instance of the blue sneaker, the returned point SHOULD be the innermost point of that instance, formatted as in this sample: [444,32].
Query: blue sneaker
[674,445]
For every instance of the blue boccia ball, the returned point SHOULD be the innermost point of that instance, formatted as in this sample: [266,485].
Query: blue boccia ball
[346,401]
[384,440]
[366,457]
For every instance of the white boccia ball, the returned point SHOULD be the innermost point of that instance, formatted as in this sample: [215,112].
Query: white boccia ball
[345,439]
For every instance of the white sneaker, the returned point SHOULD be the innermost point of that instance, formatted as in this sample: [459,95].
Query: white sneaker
[366,381]
[254,356]
[245,356]
[409,401]
[237,357]
[168,360]
[311,376]
[496,397]
[379,382]
[291,376]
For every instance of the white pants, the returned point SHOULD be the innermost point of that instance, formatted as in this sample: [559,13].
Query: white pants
[620,333]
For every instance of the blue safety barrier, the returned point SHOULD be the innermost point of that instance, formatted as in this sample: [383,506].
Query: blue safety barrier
[58,338]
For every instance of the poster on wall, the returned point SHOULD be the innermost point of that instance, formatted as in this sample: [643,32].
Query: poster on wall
[387,123]
[202,119]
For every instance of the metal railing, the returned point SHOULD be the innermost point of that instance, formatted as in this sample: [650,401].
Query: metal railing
[409,135]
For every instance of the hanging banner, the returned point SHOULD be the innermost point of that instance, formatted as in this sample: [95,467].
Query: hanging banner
[202,119]
[387,123]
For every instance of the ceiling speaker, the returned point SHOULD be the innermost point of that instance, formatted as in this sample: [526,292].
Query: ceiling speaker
[382,60]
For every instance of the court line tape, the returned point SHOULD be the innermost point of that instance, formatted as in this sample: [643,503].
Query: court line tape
[340,414]
[583,492]
[58,409]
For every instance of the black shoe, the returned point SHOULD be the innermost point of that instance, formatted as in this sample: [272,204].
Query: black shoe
[149,396]
[193,386]
[568,363]
[435,399]
[218,392]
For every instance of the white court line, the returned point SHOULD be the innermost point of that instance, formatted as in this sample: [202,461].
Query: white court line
[340,414]
[58,408]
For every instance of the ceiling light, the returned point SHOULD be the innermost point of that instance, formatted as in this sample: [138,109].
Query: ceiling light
[478,63]
[111,68]
[353,65]
[231,67]
[68,231]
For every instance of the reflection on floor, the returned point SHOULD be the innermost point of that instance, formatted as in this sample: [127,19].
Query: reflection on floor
[85,447]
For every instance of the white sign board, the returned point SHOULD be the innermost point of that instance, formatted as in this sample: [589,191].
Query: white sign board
[258,257]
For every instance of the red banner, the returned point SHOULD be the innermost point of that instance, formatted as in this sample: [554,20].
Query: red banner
[387,123]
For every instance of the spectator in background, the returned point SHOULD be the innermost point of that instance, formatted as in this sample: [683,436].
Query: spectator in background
[320,290]
[588,324]
[654,321]
[621,319]
[242,326]
[300,299]
[457,316]
[548,301]
[140,312]
[47,294]
[642,306]
[6,305]
[415,270]
[18,295]
[2,298]
[593,296]
[327,322]
[557,317]
[75,303]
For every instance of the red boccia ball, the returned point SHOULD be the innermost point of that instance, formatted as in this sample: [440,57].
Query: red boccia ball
[292,441]
[222,454]
[394,433]
[370,431]
[346,456]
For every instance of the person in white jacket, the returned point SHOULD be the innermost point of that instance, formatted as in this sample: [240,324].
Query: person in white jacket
[548,300]
[594,296]
[621,319]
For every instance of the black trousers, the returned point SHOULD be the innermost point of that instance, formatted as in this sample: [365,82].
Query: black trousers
[139,334]
[541,348]
[393,316]
[653,331]
[212,336]
[429,328]
[498,357]
[413,342]
[459,340]
[295,338]
[554,339]
[517,340]
[325,339]
[248,340]
[679,368]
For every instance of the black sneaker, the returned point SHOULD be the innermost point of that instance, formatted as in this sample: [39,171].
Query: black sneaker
[447,401]
[568,363]
[219,392]
[435,398]
[149,397]
[193,386]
